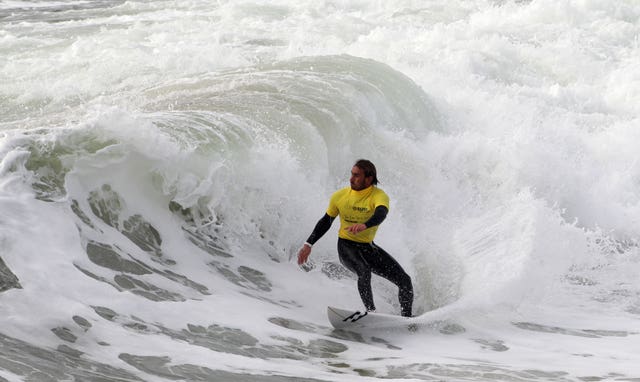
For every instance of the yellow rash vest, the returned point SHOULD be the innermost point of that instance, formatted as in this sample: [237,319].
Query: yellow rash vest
[356,207]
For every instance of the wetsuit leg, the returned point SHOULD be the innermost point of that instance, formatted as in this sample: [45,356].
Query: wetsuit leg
[352,256]
[382,264]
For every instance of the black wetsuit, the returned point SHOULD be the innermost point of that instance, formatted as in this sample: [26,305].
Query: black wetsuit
[366,258]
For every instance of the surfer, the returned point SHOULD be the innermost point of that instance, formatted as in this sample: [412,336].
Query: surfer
[362,206]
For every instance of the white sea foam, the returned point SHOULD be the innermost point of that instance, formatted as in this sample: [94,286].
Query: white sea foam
[161,163]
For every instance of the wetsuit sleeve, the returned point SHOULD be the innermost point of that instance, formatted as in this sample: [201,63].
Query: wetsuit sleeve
[379,214]
[321,228]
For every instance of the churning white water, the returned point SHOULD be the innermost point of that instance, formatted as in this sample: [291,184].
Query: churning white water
[161,162]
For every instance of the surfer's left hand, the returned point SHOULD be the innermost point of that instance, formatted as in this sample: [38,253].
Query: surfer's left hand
[356,228]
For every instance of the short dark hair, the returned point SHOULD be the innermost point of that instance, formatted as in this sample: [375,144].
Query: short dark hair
[368,168]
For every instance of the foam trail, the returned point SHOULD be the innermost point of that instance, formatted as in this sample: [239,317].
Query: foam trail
[161,163]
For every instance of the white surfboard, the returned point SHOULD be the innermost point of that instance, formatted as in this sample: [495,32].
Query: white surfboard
[355,319]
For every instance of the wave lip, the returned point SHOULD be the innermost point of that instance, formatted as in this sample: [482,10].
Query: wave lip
[161,164]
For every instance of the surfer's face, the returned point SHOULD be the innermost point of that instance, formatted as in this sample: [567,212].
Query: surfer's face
[358,180]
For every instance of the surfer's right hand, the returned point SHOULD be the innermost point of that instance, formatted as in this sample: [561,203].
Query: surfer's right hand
[303,254]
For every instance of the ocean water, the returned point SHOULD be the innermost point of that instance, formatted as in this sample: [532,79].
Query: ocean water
[161,162]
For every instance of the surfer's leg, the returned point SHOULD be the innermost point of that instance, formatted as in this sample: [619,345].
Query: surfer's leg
[350,255]
[382,264]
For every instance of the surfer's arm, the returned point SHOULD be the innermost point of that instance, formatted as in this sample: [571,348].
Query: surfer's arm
[320,229]
[379,214]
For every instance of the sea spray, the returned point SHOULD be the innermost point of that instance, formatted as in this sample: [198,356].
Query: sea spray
[161,163]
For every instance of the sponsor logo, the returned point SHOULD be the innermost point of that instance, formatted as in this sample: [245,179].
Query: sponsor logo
[355,316]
